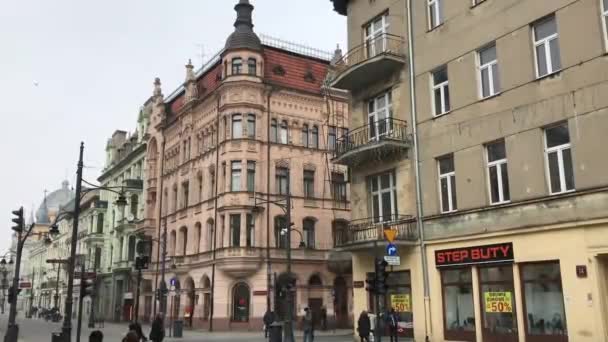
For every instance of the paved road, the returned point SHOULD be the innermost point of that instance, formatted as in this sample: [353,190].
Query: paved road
[34,330]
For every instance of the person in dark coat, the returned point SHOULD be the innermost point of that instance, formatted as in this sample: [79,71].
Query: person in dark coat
[157,332]
[269,318]
[393,324]
[364,326]
[137,328]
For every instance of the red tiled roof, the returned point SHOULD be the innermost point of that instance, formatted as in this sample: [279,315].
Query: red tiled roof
[296,67]
[298,71]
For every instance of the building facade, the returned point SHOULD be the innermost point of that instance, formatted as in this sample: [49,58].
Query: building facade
[113,243]
[255,124]
[512,201]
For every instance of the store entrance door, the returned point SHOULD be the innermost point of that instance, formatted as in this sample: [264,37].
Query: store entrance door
[603,287]
[499,322]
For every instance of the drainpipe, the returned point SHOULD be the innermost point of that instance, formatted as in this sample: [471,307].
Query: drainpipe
[268,230]
[419,213]
[159,191]
[215,226]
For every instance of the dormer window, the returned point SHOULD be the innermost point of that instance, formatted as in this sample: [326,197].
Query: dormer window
[252,66]
[237,66]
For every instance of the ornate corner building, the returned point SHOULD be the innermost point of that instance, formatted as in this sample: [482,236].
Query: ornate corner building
[255,123]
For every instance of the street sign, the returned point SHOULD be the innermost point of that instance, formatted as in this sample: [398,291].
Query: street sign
[173,281]
[391,250]
[25,285]
[390,234]
[392,260]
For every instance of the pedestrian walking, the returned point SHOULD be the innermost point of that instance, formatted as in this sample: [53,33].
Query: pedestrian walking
[269,318]
[157,332]
[364,326]
[96,336]
[324,318]
[135,326]
[308,326]
[393,324]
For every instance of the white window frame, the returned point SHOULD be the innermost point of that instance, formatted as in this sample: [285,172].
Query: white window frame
[388,108]
[236,175]
[488,66]
[499,164]
[442,87]
[435,6]
[236,133]
[604,17]
[560,163]
[392,189]
[369,34]
[450,177]
[546,42]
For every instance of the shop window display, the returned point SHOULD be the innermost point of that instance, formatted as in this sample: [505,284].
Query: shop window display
[543,300]
[498,303]
[459,312]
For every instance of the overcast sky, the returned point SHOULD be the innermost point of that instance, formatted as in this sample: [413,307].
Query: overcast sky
[73,70]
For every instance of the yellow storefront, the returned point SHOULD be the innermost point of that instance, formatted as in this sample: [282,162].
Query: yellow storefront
[537,285]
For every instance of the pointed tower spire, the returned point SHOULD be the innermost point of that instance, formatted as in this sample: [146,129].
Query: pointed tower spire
[157,90]
[189,71]
[243,36]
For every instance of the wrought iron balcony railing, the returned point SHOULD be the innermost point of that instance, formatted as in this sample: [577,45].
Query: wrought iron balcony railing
[382,44]
[374,133]
[372,229]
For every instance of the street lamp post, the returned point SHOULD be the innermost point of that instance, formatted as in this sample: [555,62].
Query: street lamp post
[288,333]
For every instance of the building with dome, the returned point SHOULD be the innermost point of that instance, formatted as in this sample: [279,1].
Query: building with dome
[254,123]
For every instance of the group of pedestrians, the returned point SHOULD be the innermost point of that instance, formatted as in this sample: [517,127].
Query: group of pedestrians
[308,323]
[364,325]
[136,334]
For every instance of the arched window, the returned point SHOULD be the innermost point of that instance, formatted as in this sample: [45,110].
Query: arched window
[200,186]
[280,222]
[183,237]
[134,205]
[210,227]
[237,65]
[198,231]
[174,197]
[315,137]
[172,242]
[240,303]
[309,232]
[283,134]
[237,126]
[315,280]
[252,66]
[273,130]
[305,135]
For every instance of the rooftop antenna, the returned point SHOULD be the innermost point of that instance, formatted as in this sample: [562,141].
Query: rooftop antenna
[201,55]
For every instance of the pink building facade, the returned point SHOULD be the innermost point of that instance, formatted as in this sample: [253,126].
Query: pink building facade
[252,125]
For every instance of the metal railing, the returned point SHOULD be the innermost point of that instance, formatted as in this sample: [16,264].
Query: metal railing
[373,132]
[372,229]
[383,44]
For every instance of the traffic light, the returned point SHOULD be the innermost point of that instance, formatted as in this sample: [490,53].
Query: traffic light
[87,286]
[141,262]
[18,219]
[381,276]
[370,283]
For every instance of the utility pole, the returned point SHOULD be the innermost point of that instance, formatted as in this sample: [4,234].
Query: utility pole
[163,283]
[66,329]
[289,328]
[12,331]
[80,299]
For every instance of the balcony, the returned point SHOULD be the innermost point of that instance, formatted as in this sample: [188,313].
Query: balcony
[364,232]
[375,60]
[239,262]
[375,141]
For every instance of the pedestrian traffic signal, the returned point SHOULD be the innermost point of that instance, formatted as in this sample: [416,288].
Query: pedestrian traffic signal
[87,286]
[18,219]
[370,283]
[381,276]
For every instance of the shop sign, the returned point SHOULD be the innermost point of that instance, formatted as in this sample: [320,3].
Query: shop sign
[401,302]
[260,293]
[502,252]
[498,302]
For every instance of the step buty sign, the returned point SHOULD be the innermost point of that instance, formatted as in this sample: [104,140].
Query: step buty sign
[487,254]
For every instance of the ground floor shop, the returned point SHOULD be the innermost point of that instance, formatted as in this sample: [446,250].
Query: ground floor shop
[534,285]
[240,302]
